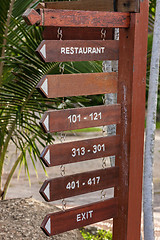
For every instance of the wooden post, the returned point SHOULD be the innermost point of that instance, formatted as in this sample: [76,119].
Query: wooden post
[128,114]
[131,94]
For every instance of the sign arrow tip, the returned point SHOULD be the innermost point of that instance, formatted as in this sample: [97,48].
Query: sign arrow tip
[46,225]
[44,86]
[43,51]
[47,191]
[46,122]
[47,157]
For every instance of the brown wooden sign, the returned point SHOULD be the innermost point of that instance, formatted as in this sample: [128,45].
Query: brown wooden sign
[80,33]
[80,50]
[91,5]
[74,185]
[78,217]
[73,18]
[71,119]
[64,85]
[77,151]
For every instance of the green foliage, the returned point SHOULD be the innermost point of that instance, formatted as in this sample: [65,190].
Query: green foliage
[100,235]
[94,129]
[157,125]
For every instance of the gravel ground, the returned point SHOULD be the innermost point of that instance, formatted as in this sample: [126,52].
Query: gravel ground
[20,219]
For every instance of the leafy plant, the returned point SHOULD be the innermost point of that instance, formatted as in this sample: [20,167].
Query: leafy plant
[100,235]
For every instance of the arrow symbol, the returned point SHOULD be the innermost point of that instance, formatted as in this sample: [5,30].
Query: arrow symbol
[43,51]
[47,157]
[47,191]
[46,123]
[44,86]
[48,226]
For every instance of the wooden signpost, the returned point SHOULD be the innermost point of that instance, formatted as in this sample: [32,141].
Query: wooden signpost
[93,25]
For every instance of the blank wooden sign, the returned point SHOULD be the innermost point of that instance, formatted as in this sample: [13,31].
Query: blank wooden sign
[77,184]
[77,118]
[94,5]
[65,85]
[60,222]
[79,50]
[73,18]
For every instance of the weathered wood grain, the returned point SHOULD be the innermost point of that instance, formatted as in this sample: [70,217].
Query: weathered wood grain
[80,50]
[70,119]
[74,18]
[59,222]
[65,85]
[131,94]
[77,151]
[77,184]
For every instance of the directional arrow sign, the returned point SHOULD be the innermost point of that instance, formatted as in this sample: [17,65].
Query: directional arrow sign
[64,85]
[77,151]
[79,50]
[60,222]
[69,186]
[70,119]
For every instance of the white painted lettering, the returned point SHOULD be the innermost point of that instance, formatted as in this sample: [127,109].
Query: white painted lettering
[89,50]
[98,50]
[87,215]
[94,50]
[85,50]
[67,50]
[91,213]
[80,51]
[72,50]
[62,50]
[78,217]
[84,216]
[76,50]
[103,49]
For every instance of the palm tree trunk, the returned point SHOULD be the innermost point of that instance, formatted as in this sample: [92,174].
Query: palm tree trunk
[3,194]
[150,131]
